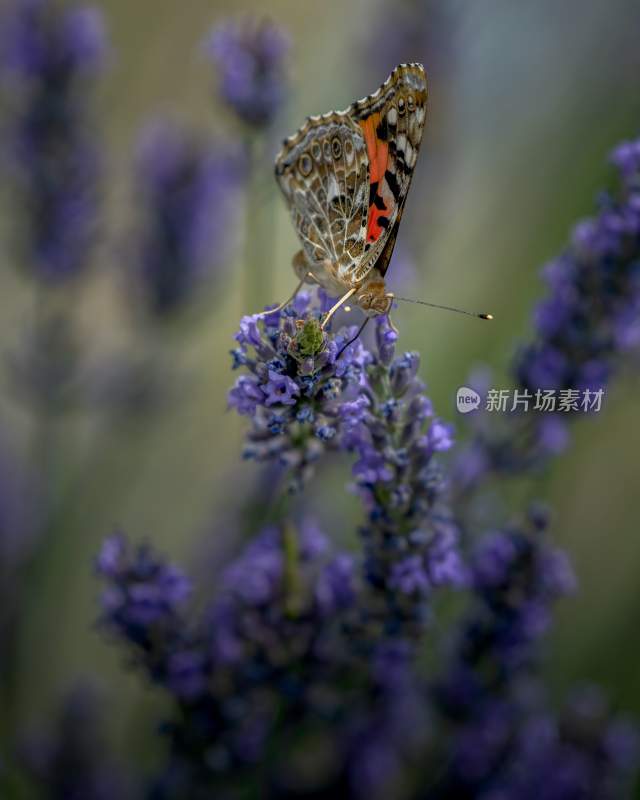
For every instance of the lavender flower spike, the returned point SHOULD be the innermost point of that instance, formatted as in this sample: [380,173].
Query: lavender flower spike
[50,55]
[294,386]
[410,539]
[585,329]
[143,597]
[250,59]
[187,195]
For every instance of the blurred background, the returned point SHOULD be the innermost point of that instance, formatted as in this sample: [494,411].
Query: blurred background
[113,394]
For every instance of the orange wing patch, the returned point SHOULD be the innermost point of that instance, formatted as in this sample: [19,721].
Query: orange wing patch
[378,153]
[377,150]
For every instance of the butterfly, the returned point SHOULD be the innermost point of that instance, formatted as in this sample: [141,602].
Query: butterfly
[345,177]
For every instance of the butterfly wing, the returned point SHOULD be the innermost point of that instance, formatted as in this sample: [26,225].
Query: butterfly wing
[323,172]
[392,121]
[345,177]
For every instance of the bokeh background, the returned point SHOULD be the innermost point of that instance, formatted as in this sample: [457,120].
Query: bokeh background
[526,100]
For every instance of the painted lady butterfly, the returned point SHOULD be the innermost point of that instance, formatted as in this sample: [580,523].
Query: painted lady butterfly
[345,177]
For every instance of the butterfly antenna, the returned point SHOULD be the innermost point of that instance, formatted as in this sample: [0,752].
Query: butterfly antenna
[445,308]
[351,341]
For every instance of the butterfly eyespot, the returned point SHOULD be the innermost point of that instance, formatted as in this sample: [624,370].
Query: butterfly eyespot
[401,106]
[336,147]
[326,147]
[316,151]
[411,103]
[305,165]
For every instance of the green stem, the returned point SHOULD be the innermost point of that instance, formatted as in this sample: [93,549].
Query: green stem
[259,231]
[292,579]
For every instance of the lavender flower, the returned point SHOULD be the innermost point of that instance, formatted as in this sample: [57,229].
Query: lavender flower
[515,579]
[586,328]
[249,57]
[143,598]
[410,538]
[303,399]
[584,752]
[50,55]
[295,383]
[585,325]
[187,193]
[271,644]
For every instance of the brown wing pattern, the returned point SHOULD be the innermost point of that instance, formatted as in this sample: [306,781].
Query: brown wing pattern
[324,174]
[345,177]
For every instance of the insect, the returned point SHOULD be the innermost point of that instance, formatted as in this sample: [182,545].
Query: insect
[345,177]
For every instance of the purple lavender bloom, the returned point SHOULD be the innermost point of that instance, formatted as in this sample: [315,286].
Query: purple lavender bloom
[271,586]
[249,57]
[187,674]
[50,54]
[271,648]
[187,194]
[280,389]
[409,576]
[246,395]
[585,752]
[295,386]
[584,330]
[515,578]
[593,286]
[336,586]
[409,537]
[626,158]
[143,595]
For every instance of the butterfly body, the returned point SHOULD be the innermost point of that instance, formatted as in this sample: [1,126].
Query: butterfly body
[345,177]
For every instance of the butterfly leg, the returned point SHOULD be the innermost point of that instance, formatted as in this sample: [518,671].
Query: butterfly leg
[284,304]
[337,305]
[390,295]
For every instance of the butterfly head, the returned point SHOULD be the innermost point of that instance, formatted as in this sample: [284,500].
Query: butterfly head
[372,297]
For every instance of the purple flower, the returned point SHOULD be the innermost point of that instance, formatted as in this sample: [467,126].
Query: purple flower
[440,436]
[585,329]
[590,287]
[38,41]
[245,396]
[256,577]
[445,563]
[386,339]
[111,558]
[295,386]
[143,594]
[249,333]
[409,576]
[187,195]
[280,389]
[52,153]
[336,584]
[187,673]
[626,157]
[569,757]
[250,60]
